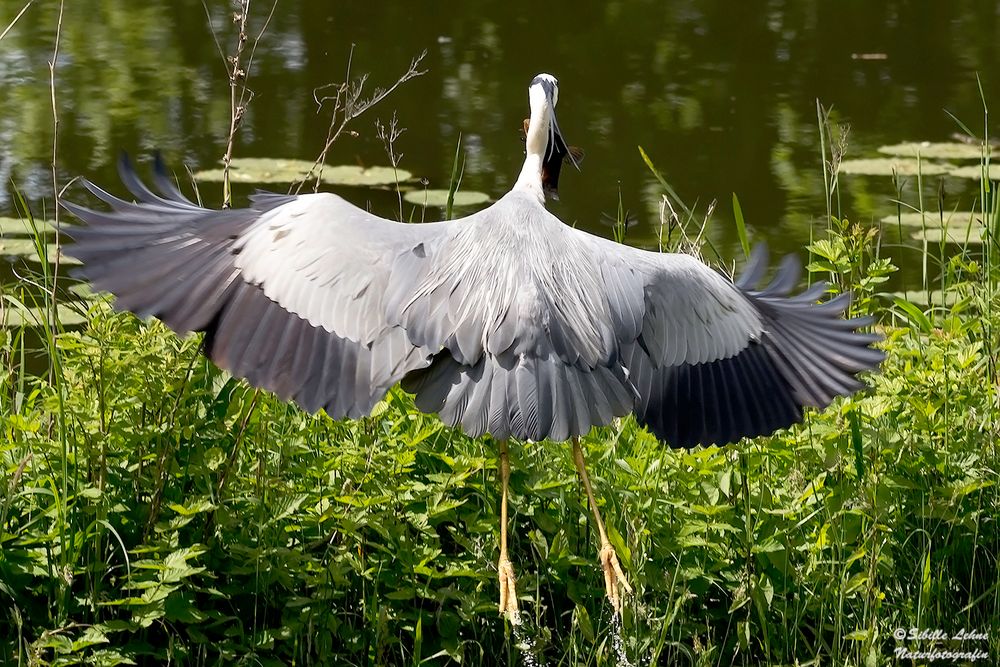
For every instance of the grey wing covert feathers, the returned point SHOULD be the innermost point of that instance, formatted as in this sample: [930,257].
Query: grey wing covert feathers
[287,291]
[506,321]
[800,352]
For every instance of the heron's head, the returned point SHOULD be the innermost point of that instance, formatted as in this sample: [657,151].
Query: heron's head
[543,137]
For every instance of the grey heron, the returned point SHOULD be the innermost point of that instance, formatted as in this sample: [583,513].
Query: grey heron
[505,322]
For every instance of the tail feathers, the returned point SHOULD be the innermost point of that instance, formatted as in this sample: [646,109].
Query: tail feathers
[521,396]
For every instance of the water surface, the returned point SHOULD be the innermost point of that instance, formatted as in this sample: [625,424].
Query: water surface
[721,95]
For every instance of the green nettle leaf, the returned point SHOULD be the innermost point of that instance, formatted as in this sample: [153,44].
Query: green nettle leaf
[192,508]
[743,633]
[214,458]
[765,588]
[769,545]
[91,636]
[582,617]
[725,478]
[181,608]
[175,565]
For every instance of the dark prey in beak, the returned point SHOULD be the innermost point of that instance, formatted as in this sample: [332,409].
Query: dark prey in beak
[556,153]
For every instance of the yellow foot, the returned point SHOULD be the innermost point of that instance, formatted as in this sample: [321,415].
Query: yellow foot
[613,575]
[508,596]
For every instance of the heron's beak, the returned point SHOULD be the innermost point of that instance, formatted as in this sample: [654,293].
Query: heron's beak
[556,144]
[555,152]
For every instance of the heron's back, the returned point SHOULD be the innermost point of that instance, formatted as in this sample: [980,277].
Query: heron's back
[510,280]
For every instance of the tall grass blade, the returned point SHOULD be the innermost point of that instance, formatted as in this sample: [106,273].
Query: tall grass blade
[455,181]
[741,227]
[663,182]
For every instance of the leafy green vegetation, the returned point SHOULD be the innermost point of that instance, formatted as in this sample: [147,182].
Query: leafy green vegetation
[155,509]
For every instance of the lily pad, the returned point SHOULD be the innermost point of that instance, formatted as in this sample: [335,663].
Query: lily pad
[268,170]
[976,171]
[926,298]
[18,226]
[22,247]
[929,150]
[932,220]
[34,317]
[440,198]
[16,246]
[53,254]
[961,235]
[884,166]
[83,291]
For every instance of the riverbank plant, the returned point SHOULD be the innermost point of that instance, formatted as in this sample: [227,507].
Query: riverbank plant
[155,510]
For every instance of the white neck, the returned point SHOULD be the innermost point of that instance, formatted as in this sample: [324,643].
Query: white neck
[535,143]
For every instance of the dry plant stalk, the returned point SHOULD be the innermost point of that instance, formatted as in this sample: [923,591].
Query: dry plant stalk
[240,95]
[237,107]
[389,134]
[16,19]
[55,154]
[670,221]
[349,101]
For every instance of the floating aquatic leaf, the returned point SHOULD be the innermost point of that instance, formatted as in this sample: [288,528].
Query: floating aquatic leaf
[370,176]
[932,219]
[960,234]
[33,317]
[885,166]
[83,291]
[18,226]
[440,198]
[23,247]
[929,150]
[63,259]
[927,298]
[976,171]
[16,246]
[268,170]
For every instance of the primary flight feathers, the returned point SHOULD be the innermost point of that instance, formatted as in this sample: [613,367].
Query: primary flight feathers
[505,321]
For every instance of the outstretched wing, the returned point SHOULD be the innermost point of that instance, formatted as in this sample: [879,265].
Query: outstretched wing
[546,331]
[506,321]
[288,291]
[715,361]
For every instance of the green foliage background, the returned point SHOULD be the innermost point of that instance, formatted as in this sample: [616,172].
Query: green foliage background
[155,510]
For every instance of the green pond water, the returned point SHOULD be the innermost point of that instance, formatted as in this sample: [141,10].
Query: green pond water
[721,95]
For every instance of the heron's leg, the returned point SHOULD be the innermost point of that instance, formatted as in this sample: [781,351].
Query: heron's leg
[613,574]
[508,596]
